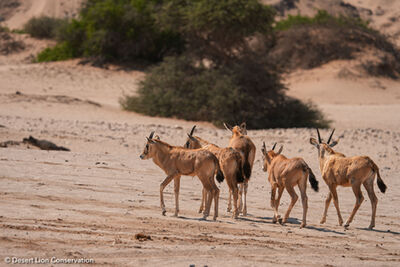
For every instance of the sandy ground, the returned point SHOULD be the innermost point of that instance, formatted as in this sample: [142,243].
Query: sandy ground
[92,201]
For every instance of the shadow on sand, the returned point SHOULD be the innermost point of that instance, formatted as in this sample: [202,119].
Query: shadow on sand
[290,221]
[209,219]
[380,231]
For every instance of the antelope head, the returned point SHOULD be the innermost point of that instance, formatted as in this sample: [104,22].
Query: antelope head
[324,148]
[268,156]
[191,141]
[237,129]
[149,148]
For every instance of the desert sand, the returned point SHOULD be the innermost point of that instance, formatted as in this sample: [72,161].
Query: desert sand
[91,202]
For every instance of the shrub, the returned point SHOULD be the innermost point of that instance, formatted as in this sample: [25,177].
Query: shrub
[122,31]
[308,42]
[180,88]
[59,52]
[176,88]
[217,31]
[44,27]
[220,77]
[321,18]
[8,44]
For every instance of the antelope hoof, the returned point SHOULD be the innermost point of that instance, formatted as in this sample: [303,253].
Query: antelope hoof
[302,225]
[244,212]
[282,222]
[214,218]
[163,212]
[341,223]
[347,225]
[200,210]
[323,220]
[371,226]
[228,209]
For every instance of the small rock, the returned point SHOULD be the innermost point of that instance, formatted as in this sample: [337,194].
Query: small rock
[142,237]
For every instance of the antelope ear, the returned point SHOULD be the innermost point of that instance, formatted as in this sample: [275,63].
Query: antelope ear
[267,158]
[191,137]
[314,142]
[243,125]
[334,143]
[280,150]
[263,151]
[228,127]
[150,140]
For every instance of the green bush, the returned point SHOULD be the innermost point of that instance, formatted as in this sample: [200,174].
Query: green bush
[132,30]
[180,88]
[216,30]
[321,18]
[44,27]
[123,31]
[220,77]
[59,52]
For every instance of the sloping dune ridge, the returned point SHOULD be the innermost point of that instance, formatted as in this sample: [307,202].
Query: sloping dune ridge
[91,202]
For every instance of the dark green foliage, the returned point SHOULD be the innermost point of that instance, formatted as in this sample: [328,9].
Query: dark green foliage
[217,30]
[210,69]
[59,52]
[245,91]
[122,30]
[44,27]
[176,88]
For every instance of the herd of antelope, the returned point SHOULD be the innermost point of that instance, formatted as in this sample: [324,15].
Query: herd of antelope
[234,163]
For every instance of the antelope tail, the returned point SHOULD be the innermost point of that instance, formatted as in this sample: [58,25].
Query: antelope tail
[312,180]
[379,181]
[219,175]
[274,186]
[239,169]
[246,165]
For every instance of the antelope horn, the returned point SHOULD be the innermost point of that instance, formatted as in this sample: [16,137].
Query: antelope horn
[319,137]
[264,146]
[192,131]
[151,135]
[330,137]
[273,147]
[229,128]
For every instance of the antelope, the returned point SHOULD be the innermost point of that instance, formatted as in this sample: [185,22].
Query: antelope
[287,173]
[243,143]
[177,161]
[337,169]
[230,162]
